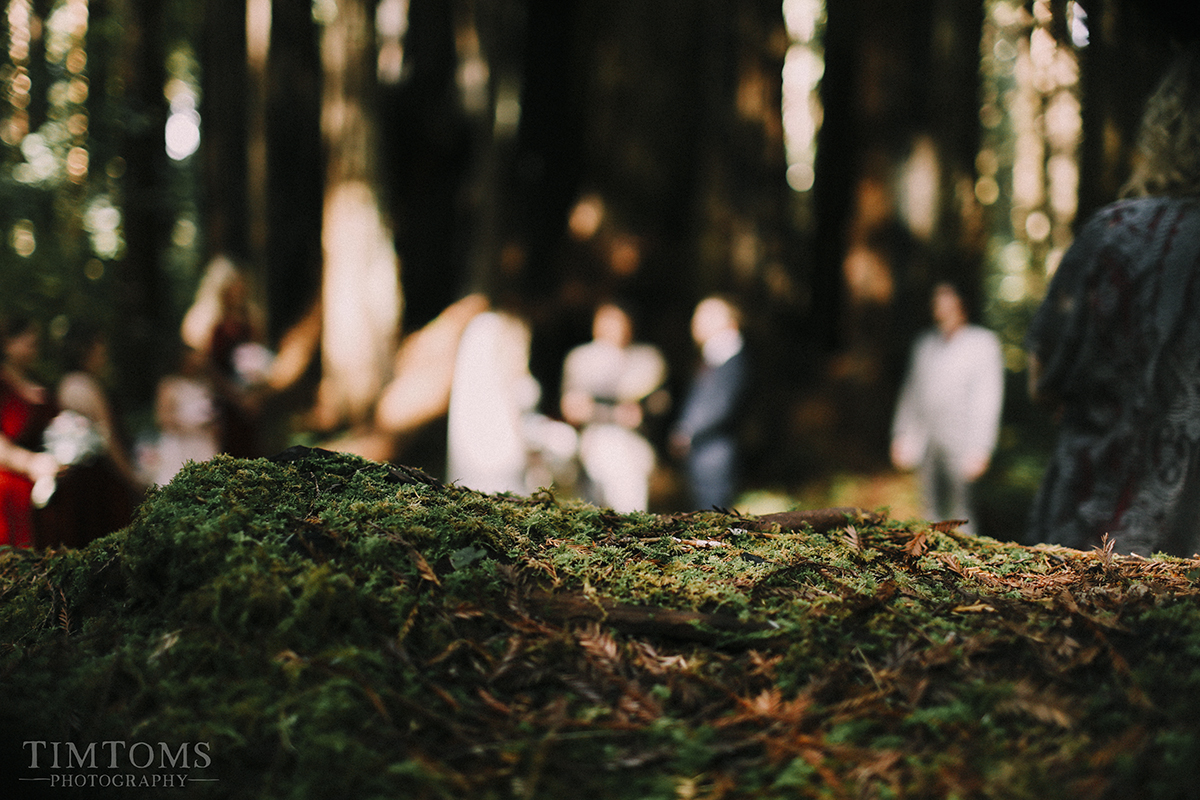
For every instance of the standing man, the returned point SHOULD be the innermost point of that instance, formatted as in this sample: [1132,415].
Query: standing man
[947,418]
[705,434]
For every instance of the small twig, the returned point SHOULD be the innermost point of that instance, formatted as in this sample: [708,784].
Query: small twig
[1105,550]
[64,617]
[870,670]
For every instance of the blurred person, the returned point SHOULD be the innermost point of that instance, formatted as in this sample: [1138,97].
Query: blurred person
[1113,350]
[187,415]
[947,417]
[26,408]
[97,494]
[496,439]
[491,394]
[605,383]
[81,389]
[704,435]
[240,364]
[225,324]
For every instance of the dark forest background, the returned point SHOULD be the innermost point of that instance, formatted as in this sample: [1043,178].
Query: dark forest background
[480,127]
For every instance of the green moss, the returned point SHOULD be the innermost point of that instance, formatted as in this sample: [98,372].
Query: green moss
[334,627]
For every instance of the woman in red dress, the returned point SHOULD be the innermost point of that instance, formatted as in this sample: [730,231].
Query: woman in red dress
[25,410]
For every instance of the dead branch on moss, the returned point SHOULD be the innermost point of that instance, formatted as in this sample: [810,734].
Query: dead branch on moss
[640,620]
[819,520]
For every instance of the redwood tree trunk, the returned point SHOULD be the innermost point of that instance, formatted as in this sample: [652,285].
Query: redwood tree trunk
[360,284]
[147,222]
[294,166]
[224,161]
[1125,58]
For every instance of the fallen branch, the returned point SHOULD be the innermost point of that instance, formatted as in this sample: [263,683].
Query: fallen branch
[819,519]
[694,626]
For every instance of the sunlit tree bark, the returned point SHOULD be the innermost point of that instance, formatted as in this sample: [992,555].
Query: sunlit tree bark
[360,285]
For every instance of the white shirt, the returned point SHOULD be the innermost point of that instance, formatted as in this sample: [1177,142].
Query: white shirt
[951,398]
[721,347]
[608,372]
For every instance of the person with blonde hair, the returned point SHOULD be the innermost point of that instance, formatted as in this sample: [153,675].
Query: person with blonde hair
[1113,350]
[491,395]
[225,325]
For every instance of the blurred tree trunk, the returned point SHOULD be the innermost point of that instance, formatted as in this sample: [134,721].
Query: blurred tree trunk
[494,187]
[742,202]
[746,233]
[294,164]
[428,154]
[894,202]
[226,93]
[1124,60]
[147,224]
[360,292]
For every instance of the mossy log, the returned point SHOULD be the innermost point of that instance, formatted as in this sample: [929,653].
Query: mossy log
[325,626]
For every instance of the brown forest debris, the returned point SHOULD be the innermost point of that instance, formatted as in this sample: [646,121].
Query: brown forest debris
[643,620]
[819,519]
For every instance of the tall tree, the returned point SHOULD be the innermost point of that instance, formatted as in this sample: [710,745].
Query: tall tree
[148,214]
[224,158]
[429,153]
[294,164]
[1130,45]
[893,177]
[360,287]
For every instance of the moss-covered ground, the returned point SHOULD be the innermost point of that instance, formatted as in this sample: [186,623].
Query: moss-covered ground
[324,626]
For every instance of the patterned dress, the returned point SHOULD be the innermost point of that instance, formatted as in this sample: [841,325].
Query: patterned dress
[1118,339]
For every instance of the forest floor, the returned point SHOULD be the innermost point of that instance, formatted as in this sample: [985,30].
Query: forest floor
[319,625]
[897,492]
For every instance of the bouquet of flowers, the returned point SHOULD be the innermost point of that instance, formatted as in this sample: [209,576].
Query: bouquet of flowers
[72,439]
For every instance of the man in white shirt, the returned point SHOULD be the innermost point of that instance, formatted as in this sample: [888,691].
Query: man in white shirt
[947,418]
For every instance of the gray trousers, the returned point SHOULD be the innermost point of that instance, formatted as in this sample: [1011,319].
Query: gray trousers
[946,493]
